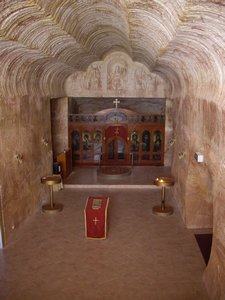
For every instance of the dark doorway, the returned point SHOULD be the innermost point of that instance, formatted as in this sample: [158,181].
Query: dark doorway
[205,243]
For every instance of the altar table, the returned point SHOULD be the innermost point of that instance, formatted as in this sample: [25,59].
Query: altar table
[95,215]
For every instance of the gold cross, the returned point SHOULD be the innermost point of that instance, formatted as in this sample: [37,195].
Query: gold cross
[96,220]
[117,131]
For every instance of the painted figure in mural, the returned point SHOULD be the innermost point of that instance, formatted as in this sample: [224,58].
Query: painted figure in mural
[93,78]
[141,79]
[86,143]
[117,76]
[134,142]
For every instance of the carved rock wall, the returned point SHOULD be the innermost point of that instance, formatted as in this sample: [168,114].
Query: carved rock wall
[59,121]
[169,134]
[215,271]
[200,188]
[25,145]
[47,47]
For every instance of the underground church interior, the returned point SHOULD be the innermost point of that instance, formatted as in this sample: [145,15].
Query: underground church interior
[112,122]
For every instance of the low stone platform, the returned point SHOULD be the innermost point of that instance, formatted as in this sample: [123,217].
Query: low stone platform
[137,177]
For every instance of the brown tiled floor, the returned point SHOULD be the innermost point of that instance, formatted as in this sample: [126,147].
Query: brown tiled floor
[144,256]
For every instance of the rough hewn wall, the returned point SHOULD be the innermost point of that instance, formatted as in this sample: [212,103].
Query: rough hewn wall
[25,147]
[43,43]
[200,188]
[214,276]
[59,121]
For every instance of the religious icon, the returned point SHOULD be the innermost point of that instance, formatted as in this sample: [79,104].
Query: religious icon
[93,77]
[157,141]
[134,142]
[117,75]
[97,145]
[141,79]
[86,141]
[146,141]
[75,141]
[157,145]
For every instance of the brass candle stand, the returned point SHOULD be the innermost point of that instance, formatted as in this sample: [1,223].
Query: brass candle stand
[162,209]
[50,181]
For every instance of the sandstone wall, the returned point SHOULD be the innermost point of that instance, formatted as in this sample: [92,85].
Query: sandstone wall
[59,121]
[214,276]
[200,188]
[169,134]
[25,147]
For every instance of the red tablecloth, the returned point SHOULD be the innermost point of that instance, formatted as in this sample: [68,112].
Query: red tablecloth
[95,214]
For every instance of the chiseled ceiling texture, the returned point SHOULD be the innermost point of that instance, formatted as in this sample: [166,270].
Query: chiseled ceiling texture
[42,42]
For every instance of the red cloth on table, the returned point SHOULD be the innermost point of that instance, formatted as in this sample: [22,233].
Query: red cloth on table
[96,218]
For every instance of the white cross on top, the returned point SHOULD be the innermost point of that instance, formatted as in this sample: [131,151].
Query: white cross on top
[116,101]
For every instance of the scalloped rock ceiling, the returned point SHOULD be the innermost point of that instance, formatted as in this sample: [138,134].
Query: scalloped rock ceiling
[43,42]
